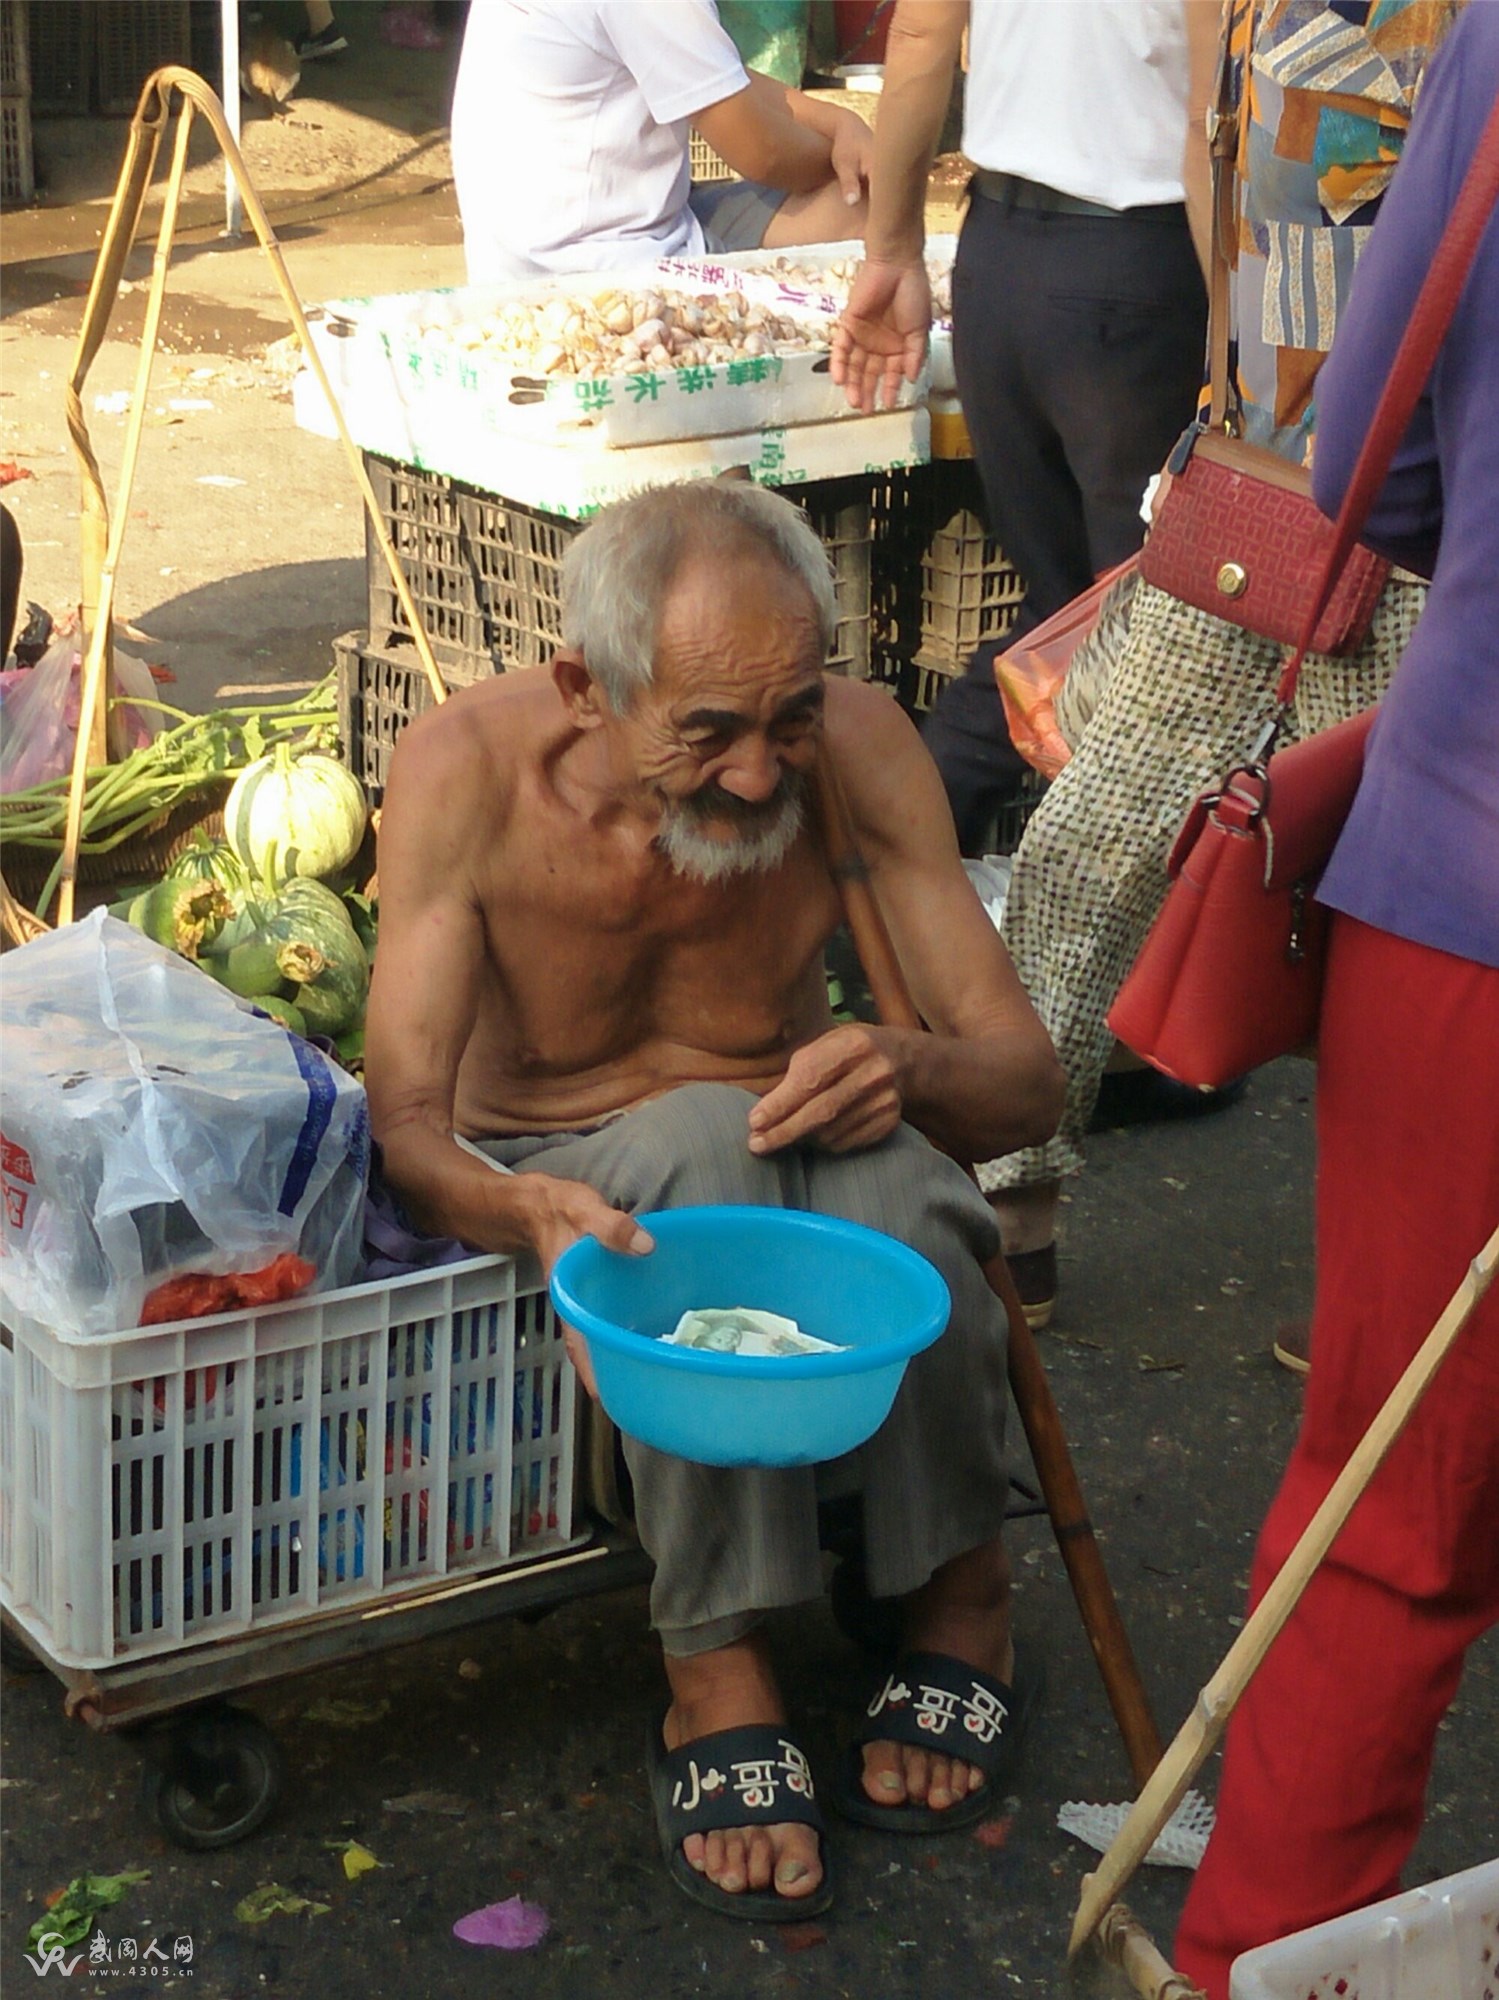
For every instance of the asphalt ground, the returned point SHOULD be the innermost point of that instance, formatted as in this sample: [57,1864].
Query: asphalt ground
[1185,1245]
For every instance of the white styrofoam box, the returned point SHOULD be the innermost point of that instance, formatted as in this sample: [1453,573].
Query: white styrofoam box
[415,343]
[217,1476]
[1440,1942]
[575,480]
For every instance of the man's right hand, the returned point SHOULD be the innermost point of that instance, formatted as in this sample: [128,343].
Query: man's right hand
[558,1213]
[883,333]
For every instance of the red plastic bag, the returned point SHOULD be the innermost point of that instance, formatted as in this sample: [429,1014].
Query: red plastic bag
[1030,673]
[195,1294]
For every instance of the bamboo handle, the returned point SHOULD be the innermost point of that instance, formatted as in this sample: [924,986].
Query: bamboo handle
[101,541]
[1217,1701]
[1124,1941]
[1034,1401]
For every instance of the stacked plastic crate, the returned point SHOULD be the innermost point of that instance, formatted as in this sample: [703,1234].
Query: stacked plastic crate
[17,176]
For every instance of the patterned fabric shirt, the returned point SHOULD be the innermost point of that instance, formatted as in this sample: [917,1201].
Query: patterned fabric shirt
[1324,91]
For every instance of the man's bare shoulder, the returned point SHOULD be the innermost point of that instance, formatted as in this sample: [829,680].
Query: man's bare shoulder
[882,763]
[482,733]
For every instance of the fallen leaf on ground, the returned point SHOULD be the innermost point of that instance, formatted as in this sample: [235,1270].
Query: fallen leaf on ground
[993,1832]
[10,472]
[270,1900]
[162,675]
[340,1712]
[70,1911]
[357,1858]
[800,1937]
[510,1926]
[428,1802]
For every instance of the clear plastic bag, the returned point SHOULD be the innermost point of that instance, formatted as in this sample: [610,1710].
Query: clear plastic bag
[152,1126]
[39,715]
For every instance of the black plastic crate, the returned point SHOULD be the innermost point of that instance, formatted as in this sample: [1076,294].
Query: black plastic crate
[380,690]
[485,572]
[946,585]
[17,174]
[61,51]
[15,57]
[131,39]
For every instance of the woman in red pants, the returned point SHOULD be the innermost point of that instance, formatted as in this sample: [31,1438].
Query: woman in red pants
[1328,1756]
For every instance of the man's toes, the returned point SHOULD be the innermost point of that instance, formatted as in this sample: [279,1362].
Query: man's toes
[760,1858]
[798,1868]
[939,1790]
[884,1774]
[724,1860]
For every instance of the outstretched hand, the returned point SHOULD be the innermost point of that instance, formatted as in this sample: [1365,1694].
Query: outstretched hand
[882,335]
[568,1210]
[840,1092]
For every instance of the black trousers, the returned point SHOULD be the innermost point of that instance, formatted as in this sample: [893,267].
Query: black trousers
[1078,345]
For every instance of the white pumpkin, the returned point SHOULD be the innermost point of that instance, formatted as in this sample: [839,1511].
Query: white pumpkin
[288,815]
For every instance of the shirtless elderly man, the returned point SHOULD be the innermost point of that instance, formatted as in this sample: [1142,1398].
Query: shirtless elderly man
[603,914]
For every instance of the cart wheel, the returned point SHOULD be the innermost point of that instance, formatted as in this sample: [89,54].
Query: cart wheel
[212,1779]
[16,1656]
[872,1623]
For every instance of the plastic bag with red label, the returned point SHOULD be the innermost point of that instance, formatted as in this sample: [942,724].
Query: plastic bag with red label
[152,1130]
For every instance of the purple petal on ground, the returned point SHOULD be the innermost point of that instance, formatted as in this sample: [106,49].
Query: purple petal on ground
[512,1925]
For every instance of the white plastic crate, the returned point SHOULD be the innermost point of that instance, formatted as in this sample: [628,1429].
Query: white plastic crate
[1440,1942]
[219,1476]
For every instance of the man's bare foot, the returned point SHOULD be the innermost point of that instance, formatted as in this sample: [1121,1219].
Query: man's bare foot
[722,1690]
[964,1611]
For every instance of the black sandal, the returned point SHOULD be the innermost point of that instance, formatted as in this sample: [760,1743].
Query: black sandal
[933,1702]
[751,1776]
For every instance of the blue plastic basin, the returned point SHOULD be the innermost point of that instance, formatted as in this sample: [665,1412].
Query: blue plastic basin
[875,1297]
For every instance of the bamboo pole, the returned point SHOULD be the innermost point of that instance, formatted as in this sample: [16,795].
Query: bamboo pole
[101,544]
[1217,1701]
[1124,1942]
[93,701]
[1028,1381]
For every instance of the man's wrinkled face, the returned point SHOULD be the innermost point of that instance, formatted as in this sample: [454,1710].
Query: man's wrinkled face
[725,738]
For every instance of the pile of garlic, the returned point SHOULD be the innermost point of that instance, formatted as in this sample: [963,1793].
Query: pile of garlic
[837,277]
[620,332]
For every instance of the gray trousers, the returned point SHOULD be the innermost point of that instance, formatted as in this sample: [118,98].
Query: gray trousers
[731,1543]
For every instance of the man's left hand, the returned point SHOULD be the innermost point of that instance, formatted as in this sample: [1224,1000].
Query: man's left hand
[840,1092]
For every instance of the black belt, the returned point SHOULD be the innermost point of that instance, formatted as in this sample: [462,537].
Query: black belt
[1012,191]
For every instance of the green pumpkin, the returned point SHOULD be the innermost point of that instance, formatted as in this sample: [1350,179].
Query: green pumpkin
[184,914]
[318,954]
[288,816]
[205,860]
[284,1011]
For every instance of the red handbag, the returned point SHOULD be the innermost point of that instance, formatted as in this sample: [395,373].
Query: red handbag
[1231,973]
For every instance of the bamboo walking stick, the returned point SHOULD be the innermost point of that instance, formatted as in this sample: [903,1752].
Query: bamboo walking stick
[101,541]
[1028,1382]
[1218,1699]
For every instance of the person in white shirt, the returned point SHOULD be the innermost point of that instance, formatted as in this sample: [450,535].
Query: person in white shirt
[1079,320]
[571,122]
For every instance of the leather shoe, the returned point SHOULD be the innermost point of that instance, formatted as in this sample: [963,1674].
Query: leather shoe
[1146,1097]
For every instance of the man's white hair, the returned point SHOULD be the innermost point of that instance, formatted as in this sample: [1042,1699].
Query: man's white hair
[618,573]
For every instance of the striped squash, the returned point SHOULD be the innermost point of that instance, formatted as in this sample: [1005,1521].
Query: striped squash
[288,816]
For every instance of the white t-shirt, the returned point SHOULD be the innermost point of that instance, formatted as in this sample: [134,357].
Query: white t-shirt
[570,130]
[1086,96]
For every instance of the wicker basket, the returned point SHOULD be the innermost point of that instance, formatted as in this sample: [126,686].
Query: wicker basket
[145,856]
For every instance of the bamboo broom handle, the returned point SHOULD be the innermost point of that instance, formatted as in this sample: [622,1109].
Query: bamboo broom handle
[99,572]
[1124,1941]
[198,92]
[1217,1700]
[142,145]
[1028,1380]
[92,700]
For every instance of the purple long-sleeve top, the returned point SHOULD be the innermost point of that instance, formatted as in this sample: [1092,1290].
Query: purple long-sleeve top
[1419,856]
